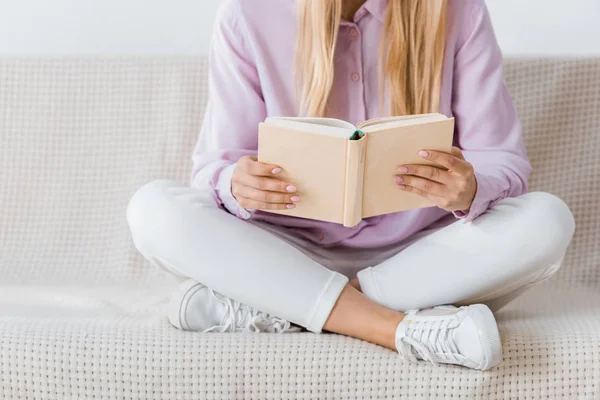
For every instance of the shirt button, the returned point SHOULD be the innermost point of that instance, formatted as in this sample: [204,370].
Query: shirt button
[354,32]
[355,77]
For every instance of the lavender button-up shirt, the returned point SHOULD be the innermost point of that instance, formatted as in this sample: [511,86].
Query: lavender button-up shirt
[252,77]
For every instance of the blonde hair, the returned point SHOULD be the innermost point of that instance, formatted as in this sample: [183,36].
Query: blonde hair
[410,60]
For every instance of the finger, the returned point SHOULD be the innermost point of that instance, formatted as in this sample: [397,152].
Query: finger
[456,152]
[254,167]
[427,172]
[270,184]
[266,184]
[424,185]
[251,204]
[454,164]
[438,201]
[264,196]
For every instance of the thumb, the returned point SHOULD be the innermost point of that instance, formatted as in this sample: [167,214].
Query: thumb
[456,152]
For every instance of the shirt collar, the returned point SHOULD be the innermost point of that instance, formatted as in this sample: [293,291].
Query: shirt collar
[378,8]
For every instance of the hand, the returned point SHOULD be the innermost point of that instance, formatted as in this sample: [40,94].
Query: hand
[255,186]
[451,190]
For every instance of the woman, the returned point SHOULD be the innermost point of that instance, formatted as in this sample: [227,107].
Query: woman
[484,244]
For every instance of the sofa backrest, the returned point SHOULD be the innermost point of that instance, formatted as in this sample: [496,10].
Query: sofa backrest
[79,135]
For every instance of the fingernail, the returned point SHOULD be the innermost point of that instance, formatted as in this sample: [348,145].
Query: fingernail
[403,170]
[290,206]
[295,198]
[291,188]
[276,171]
[424,153]
[399,179]
[401,187]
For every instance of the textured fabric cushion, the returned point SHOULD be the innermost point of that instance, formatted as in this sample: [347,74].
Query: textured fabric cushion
[551,350]
[558,102]
[81,312]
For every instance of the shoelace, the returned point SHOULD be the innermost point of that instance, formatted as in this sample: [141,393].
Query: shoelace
[431,340]
[242,318]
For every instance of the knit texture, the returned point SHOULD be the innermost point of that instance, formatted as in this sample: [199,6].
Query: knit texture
[82,313]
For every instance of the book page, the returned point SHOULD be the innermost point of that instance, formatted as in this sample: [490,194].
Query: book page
[390,148]
[323,126]
[314,163]
[385,120]
[424,119]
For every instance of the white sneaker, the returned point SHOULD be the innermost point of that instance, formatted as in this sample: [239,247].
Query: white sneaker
[466,336]
[194,307]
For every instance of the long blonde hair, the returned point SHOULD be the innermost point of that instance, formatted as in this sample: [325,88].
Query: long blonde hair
[410,60]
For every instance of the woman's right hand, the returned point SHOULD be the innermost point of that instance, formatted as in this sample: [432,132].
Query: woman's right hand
[255,186]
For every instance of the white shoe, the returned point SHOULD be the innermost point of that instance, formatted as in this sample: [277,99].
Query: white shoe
[466,336]
[194,307]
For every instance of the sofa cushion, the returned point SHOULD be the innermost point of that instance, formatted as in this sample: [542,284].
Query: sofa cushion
[551,349]
[81,312]
[81,134]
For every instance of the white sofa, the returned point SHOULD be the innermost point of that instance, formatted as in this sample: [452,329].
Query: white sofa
[82,313]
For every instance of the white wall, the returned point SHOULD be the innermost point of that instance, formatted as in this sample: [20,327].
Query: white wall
[106,26]
[559,27]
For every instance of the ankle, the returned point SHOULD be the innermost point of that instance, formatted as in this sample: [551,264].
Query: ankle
[386,333]
[355,284]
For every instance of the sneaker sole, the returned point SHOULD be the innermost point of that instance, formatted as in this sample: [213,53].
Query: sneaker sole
[179,303]
[488,335]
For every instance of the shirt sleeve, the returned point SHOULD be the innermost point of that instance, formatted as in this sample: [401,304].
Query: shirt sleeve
[235,108]
[488,129]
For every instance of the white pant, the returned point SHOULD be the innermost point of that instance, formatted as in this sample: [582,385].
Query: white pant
[517,243]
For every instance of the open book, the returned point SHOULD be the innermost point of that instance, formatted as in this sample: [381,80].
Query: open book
[345,173]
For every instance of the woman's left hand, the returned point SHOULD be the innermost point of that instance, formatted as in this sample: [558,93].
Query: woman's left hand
[451,190]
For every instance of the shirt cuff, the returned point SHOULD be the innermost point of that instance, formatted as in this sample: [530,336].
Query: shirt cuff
[481,201]
[223,189]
